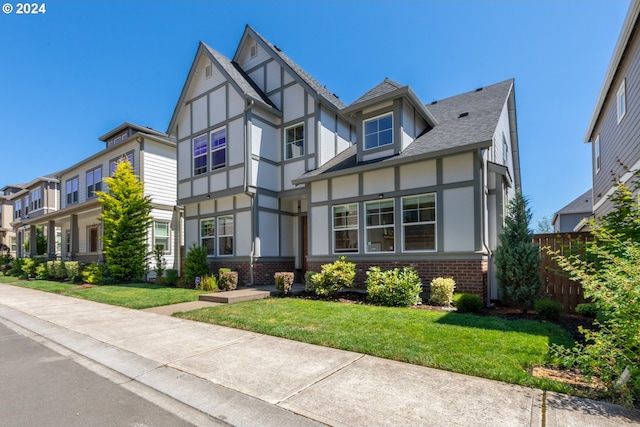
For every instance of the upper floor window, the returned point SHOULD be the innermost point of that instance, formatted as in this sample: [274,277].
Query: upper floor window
[505,151]
[294,141]
[419,222]
[36,199]
[117,139]
[621,101]
[378,131]
[345,228]
[596,153]
[17,209]
[218,148]
[26,204]
[113,163]
[72,190]
[380,226]
[94,181]
[200,155]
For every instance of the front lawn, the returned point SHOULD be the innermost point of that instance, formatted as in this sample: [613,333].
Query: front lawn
[484,346]
[131,295]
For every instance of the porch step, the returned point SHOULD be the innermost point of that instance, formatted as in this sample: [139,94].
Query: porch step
[238,295]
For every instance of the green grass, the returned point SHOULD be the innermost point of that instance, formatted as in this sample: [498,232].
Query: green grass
[483,346]
[131,295]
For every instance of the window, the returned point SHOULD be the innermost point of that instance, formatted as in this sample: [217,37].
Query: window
[225,235]
[200,155]
[114,163]
[294,141]
[13,244]
[505,151]
[378,131]
[380,223]
[345,228]
[161,235]
[72,190]
[419,222]
[218,148]
[36,199]
[92,236]
[218,240]
[117,139]
[621,101]
[26,205]
[67,242]
[17,210]
[596,153]
[94,182]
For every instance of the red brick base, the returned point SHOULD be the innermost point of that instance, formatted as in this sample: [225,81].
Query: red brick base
[470,275]
[263,271]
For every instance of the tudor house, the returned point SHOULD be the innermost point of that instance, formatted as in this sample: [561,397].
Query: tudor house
[275,173]
[152,155]
[614,128]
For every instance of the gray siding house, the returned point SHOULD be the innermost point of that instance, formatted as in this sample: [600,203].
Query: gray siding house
[614,128]
[276,173]
[570,217]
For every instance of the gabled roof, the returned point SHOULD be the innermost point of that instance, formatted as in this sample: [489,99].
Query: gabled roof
[388,90]
[312,83]
[234,74]
[144,129]
[628,29]
[465,122]
[581,204]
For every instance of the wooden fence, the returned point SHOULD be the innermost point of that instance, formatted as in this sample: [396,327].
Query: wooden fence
[556,282]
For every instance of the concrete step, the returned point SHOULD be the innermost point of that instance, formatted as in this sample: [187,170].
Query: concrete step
[238,295]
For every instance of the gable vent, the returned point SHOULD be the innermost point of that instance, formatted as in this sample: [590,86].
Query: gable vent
[463,114]
[254,50]
[208,71]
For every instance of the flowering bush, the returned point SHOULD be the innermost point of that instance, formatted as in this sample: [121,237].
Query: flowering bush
[394,288]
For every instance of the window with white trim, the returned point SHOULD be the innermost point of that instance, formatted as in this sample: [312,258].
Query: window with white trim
[380,226]
[505,151]
[225,235]
[17,209]
[26,205]
[596,153]
[621,100]
[67,242]
[118,139]
[200,154]
[294,141]
[345,228]
[378,131]
[36,199]
[419,223]
[94,182]
[218,148]
[72,190]
[13,243]
[161,235]
[216,235]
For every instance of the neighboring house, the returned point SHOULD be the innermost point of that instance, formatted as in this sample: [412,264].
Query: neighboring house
[277,174]
[7,234]
[614,128]
[34,200]
[153,157]
[570,218]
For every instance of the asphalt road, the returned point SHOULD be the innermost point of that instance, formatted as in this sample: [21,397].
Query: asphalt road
[40,387]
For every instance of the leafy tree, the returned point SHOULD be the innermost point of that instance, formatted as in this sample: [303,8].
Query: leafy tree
[610,275]
[126,220]
[544,225]
[517,259]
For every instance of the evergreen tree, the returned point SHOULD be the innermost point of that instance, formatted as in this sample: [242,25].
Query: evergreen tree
[126,220]
[516,258]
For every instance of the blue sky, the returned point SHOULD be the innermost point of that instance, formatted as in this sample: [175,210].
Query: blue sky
[84,67]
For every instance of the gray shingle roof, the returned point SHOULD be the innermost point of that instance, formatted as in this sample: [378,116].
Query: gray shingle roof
[582,204]
[452,133]
[306,77]
[383,88]
[246,85]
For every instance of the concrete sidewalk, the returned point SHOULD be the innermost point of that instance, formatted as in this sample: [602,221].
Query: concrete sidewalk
[248,379]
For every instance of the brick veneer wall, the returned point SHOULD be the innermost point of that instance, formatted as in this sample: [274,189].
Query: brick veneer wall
[263,271]
[470,275]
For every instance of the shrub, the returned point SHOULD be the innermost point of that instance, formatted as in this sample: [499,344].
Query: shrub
[549,309]
[228,280]
[442,291]
[41,272]
[161,263]
[5,262]
[467,303]
[172,276]
[92,274]
[72,269]
[208,283]
[587,310]
[29,267]
[394,288]
[308,281]
[16,268]
[284,282]
[334,277]
[57,270]
[195,264]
